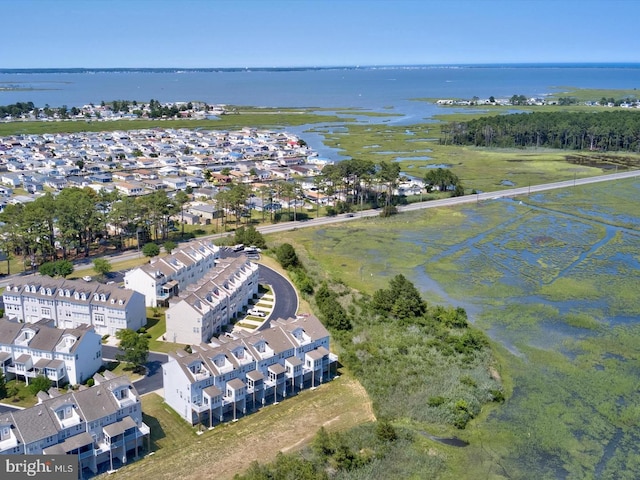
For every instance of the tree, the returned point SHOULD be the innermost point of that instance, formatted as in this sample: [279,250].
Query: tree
[39,384]
[169,246]
[286,255]
[59,268]
[134,347]
[102,266]
[150,250]
[250,236]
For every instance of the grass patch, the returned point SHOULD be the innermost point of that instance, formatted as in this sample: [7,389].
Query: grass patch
[156,328]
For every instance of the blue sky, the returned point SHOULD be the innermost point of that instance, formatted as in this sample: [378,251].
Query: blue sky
[286,33]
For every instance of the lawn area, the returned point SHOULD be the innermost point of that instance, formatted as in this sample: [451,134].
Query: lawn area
[230,448]
[156,328]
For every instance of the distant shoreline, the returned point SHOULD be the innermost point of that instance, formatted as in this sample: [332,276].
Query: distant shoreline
[621,65]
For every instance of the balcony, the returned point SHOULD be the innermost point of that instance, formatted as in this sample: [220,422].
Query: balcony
[8,443]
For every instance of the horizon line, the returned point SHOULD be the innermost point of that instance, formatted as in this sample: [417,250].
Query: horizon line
[321,67]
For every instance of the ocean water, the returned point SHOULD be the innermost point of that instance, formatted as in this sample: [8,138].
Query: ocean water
[371,88]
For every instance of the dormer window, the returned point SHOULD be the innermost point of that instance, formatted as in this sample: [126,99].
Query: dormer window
[60,293]
[113,300]
[48,291]
[83,296]
[67,293]
[95,296]
[120,302]
[76,296]
[103,297]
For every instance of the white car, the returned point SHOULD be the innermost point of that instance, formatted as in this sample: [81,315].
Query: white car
[256,313]
[87,278]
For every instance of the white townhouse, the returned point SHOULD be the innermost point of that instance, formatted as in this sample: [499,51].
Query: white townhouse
[73,303]
[28,350]
[231,376]
[101,424]
[164,277]
[201,311]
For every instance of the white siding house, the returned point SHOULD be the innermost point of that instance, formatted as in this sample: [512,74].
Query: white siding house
[231,376]
[164,277]
[73,303]
[28,350]
[204,308]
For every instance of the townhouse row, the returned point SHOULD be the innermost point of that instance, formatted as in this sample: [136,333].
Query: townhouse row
[162,278]
[101,424]
[74,303]
[233,375]
[204,308]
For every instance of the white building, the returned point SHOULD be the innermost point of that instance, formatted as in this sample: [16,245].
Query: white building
[102,425]
[28,350]
[74,303]
[231,376]
[205,307]
[164,277]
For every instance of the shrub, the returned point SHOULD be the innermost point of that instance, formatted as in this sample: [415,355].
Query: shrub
[150,249]
[90,382]
[436,401]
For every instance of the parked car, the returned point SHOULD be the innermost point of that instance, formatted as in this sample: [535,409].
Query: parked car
[256,313]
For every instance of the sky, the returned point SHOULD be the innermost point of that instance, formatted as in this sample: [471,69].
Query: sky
[304,33]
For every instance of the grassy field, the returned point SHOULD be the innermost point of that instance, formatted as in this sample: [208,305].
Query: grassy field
[228,449]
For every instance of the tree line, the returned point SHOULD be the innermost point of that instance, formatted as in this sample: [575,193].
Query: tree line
[75,218]
[604,131]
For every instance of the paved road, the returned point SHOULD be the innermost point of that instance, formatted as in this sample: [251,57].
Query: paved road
[286,297]
[153,380]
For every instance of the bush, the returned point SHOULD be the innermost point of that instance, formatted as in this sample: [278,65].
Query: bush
[436,401]
[90,382]
[150,249]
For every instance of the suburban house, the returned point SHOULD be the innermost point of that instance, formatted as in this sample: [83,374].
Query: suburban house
[29,350]
[101,424]
[203,308]
[164,277]
[74,303]
[231,376]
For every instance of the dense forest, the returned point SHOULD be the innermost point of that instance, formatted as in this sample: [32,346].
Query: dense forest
[603,131]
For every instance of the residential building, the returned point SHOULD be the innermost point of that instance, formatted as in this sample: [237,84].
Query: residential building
[101,424]
[205,307]
[231,376]
[74,303]
[28,350]
[164,277]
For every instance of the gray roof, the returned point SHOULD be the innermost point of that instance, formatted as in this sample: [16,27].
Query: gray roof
[119,427]
[235,384]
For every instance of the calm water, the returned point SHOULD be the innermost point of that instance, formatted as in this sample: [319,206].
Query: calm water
[368,88]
